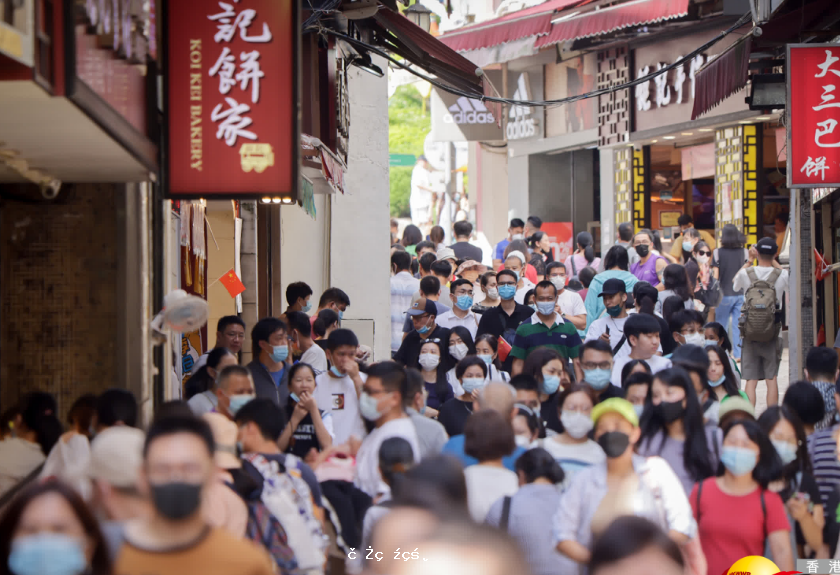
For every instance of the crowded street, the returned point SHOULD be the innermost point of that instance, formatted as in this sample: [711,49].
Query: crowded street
[480,287]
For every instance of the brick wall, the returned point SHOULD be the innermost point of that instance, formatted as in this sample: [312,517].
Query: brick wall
[58,286]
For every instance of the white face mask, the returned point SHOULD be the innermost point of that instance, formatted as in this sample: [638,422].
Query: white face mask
[429,361]
[697,339]
[522,441]
[559,282]
[575,423]
[702,259]
[458,351]
[518,237]
[493,293]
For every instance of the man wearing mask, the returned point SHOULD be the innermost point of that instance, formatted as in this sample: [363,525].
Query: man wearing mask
[234,388]
[381,403]
[423,313]
[301,338]
[177,473]
[270,346]
[429,289]
[334,299]
[461,312]
[502,321]
[298,297]
[610,327]
[337,390]
[515,262]
[515,232]
[569,303]
[686,222]
[596,361]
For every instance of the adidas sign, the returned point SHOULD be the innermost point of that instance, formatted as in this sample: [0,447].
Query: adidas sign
[520,124]
[466,111]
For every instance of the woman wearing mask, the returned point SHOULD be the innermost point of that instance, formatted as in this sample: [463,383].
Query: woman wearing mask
[460,346]
[715,334]
[526,426]
[434,376]
[308,427]
[796,486]
[698,268]
[723,382]
[472,376]
[650,266]
[550,372]
[490,289]
[201,395]
[727,260]
[583,257]
[540,245]
[690,238]
[735,512]
[530,509]
[528,299]
[625,484]
[487,348]
[47,529]
[572,448]
[673,428]
[675,282]
[488,436]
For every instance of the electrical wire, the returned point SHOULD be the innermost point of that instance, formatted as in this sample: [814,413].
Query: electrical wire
[536,103]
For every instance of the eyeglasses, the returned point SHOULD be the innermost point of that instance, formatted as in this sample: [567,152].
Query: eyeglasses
[704,253]
[591,365]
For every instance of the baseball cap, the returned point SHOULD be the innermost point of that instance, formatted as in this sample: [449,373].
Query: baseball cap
[422,306]
[613,286]
[116,456]
[446,254]
[616,405]
[766,246]
[225,433]
[732,403]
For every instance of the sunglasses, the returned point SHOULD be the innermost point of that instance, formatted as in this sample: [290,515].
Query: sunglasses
[702,253]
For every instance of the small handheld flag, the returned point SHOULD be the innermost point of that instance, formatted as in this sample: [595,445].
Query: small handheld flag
[232,283]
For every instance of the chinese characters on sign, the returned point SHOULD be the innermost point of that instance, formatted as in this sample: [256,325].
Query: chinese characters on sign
[813,115]
[232,93]
[668,87]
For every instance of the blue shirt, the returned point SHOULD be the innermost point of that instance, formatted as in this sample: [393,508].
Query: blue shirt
[455,447]
[277,376]
[500,249]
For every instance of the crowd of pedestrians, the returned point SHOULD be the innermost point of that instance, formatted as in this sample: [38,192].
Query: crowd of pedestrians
[537,418]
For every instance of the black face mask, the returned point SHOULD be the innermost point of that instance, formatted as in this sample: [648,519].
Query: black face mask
[614,443]
[670,411]
[176,500]
[643,250]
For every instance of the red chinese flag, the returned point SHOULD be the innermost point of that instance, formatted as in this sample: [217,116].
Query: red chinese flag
[232,283]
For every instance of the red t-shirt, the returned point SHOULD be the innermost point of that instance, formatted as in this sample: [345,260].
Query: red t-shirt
[734,527]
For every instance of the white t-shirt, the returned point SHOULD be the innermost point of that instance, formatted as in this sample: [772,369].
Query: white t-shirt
[420,199]
[657,363]
[741,281]
[486,484]
[571,303]
[315,357]
[449,320]
[337,395]
[599,327]
[368,478]
[519,296]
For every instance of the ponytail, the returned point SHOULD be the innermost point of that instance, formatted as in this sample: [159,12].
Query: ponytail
[584,240]
[589,254]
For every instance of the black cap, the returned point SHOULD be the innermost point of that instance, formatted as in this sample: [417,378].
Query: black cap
[767,247]
[422,306]
[613,286]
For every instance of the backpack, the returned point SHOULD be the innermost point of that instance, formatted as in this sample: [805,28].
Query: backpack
[758,316]
[288,499]
[264,529]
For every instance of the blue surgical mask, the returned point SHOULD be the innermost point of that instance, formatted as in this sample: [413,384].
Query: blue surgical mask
[425,329]
[717,382]
[545,307]
[710,342]
[786,451]
[550,384]
[368,406]
[306,307]
[279,353]
[598,379]
[237,402]
[507,291]
[340,314]
[687,245]
[464,302]
[533,306]
[335,372]
[488,359]
[470,384]
[47,554]
[638,409]
[738,460]
[294,397]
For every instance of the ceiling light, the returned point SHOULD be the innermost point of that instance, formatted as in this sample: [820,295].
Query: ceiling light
[276,200]
[706,130]
[266,200]
[669,137]
[745,122]
[687,133]
[287,200]
[364,62]
[653,141]
[763,118]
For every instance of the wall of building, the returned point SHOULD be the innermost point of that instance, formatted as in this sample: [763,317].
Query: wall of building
[220,259]
[517,181]
[561,187]
[608,226]
[359,219]
[305,252]
[488,181]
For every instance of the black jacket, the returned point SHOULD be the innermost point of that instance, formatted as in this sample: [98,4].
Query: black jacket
[264,383]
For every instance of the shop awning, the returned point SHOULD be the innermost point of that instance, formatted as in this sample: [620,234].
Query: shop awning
[321,166]
[534,21]
[401,36]
[627,15]
[722,77]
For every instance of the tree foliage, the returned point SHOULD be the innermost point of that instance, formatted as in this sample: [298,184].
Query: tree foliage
[408,123]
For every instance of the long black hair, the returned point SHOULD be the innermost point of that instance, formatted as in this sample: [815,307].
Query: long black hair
[38,414]
[395,457]
[769,466]
[631,365]
[493,342]
[536,463]
[617,258]
[442,387]
[730,383]
[201,380]
[768,420]
[646,296]
[675,279]
[584,241]
[465,336]
[720,332]
[732,238]
[696,450]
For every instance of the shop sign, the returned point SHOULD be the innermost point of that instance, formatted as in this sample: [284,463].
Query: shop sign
[525,122]
[232,98]
[813,110]
[461,119]
[668,87]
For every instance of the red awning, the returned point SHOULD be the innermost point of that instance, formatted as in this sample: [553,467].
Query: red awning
[532,21]
[614,18]
[722,77]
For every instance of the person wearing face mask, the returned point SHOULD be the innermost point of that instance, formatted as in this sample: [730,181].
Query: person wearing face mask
[796,486]
[573,449]
[234,388]
[502,321]
[650,266]
[299,297]
[49,529]
[546,330]
[337,390]
[616,266]
[686,327]
[487,348]
[177,474]
[200,390]
[610,327]
[270,346]
[431,434]
[547,368]
[698,268]
[625,484]
[302,343]
[515,232]
[690,238]
[489,292]
[309,427]
[715,334]
[723,381]
[736,513]
[636,387]
[673,429]
[461,314]
[596,361]
[434,376]
[423,313]
[471,376]
[381,403]
[460,346]
[526,427]
[516,262]
[569,303]
[335,299]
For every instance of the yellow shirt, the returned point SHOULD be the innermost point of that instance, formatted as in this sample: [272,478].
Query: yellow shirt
[676,249]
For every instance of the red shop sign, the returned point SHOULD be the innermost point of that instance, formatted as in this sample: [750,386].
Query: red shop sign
[232,105]
[813,115]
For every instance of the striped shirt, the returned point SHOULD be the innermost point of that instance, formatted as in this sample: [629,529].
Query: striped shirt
[822,449]
[562,337]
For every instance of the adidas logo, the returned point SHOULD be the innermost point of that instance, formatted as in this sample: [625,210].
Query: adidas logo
[466,111]
[523,92]
[520,124]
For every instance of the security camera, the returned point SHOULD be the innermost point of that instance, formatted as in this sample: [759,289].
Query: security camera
[50,189]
